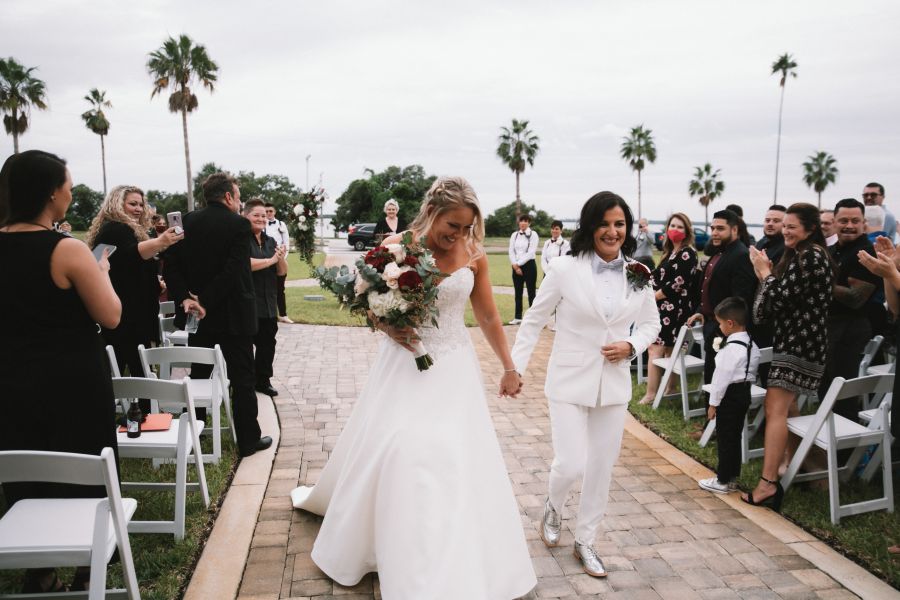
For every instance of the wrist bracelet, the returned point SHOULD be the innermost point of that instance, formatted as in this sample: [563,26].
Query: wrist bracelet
[510,371]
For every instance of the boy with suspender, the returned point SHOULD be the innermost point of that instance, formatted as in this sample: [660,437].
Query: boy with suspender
[736,364]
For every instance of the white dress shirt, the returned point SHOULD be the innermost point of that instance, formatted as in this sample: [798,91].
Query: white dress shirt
[278,231]
[553,249]
[731,366]
[610,283]
[523,247]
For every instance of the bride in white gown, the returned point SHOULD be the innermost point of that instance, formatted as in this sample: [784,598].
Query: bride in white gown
[416,487]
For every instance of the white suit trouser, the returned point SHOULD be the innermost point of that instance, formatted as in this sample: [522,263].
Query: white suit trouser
[586,442]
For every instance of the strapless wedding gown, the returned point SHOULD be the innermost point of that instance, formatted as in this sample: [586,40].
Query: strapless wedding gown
[416,487]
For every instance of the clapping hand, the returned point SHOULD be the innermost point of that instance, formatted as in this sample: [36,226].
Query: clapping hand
[885,246]
[761,263]
[280,251]
[882,265]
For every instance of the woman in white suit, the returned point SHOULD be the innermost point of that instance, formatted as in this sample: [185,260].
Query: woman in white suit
[605,314]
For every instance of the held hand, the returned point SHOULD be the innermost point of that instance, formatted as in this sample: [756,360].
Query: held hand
[710,413]
[103,263]
[762,266]
[193,306]
[405,336]
[170,237]
[694,318]
[616,351]
[510,384]
[517,269]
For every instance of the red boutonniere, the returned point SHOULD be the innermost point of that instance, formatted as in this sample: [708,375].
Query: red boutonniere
[638,275]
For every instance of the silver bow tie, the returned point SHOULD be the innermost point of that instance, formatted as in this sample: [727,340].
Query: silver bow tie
[613,265]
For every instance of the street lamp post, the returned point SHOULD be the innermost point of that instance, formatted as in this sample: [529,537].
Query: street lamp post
[308,156]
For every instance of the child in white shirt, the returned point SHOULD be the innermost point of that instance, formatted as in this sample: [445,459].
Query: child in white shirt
[729,399]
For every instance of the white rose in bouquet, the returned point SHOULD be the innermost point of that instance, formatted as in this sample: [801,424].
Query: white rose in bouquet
[302,227]
[391,273]
[382,304]
[301,218]
[361,285]
[398,252]
[298,210]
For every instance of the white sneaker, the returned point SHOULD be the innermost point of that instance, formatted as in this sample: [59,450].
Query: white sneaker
[284,319]
[714,485]
[515,321]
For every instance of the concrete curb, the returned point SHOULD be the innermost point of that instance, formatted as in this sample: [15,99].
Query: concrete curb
[221,566]
[838,567]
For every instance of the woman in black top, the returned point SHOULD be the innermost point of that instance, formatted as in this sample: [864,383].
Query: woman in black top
[55,388]
[391,222]
[267,261]
[123,222]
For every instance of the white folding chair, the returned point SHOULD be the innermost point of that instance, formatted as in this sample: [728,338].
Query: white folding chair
[209,393]
[873,401]
[697,332]
[167,307]
[682,364]
[871,348]
[169,335]
[874,419]
[832,432]
[752,423]
[179,441]
[68,532]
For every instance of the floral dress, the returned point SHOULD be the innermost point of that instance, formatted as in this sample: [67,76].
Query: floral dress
[797,305]
[676,276]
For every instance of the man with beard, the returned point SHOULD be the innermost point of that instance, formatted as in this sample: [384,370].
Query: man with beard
[848,323]
[728,273]
[772,241]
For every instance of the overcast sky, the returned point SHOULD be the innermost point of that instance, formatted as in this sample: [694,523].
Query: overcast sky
[369,84]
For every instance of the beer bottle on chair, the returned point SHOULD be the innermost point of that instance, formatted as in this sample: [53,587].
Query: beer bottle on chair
[133,419]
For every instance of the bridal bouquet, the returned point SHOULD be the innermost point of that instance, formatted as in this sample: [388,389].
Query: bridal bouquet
[396,282]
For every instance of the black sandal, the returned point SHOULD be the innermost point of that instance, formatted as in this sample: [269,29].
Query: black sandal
[36,582]
[774,501]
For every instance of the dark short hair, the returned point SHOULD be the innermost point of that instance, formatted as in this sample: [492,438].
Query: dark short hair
[850,203]
[251,204]
[736,209]
[217,185]
[269,205]
[592,214]
[878,185]
[157,217]
[27,181]
[556,224]
[825,210]
[728,215]
[734,309]
[778,207]
[525,217]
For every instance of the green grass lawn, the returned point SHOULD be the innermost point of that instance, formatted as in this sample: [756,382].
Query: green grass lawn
[163,566]
[298,269]
[863,538]
[327,312]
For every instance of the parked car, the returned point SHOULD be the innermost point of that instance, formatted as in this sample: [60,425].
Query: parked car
[361,236]
[701,237]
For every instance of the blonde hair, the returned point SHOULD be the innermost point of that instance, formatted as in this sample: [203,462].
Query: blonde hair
[446,194]
[113,209]
[391,202]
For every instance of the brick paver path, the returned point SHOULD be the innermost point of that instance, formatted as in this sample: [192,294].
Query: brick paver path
[663,537]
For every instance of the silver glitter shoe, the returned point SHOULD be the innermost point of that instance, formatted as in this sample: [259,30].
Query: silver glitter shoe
[590,562]
[551,525]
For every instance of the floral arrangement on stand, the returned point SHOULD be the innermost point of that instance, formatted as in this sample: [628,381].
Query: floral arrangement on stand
[303,223]
[396,284]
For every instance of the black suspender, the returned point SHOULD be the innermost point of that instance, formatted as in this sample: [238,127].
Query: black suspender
[748,347]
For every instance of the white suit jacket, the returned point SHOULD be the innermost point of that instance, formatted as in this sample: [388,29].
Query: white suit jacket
[577,372]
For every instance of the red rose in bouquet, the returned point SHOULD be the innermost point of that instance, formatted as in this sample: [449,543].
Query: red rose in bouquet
[410,260]
[409,280]
[378,258]
[638,275]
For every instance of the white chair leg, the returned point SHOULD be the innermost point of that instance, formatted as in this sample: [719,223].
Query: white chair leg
[181,479]
[833,482]
[707,433]
[98,559]
[198,461]
[227,402]
[663,383]
[216,434]
[887,476]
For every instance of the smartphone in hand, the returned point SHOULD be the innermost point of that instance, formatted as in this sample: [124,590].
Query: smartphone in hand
[99,248]
[174,219]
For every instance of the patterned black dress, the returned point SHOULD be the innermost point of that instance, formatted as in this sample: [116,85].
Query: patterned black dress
[797,305]
[676,276]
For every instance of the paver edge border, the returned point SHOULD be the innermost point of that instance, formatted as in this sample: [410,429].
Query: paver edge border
[220,569]
[837,566]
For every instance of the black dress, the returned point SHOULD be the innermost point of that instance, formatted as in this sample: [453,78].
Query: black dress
[384,230]
[137,285]
[797,305]
[55,387]
[676,276]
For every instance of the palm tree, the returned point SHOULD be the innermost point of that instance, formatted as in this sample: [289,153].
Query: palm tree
[177,64]
[784,65]
[96,121]
[19,91]
[637,147]
[820,171]
[518,146]
[707,185]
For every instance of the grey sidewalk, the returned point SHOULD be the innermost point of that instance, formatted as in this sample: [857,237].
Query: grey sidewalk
[663,536]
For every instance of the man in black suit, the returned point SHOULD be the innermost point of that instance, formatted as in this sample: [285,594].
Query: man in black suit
[728,272]
[209,274]
[772,242]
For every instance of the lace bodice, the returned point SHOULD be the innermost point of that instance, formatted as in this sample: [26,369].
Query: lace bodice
[451,332]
